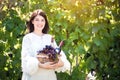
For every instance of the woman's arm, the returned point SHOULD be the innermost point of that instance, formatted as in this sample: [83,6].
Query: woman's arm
[29,62]
[63,64]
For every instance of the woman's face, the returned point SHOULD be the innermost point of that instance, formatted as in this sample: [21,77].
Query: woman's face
[39,23]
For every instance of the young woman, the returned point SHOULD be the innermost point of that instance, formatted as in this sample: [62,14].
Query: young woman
[34,41]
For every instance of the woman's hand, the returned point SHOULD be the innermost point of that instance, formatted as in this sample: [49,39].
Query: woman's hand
[51,65]
[58,64]
[47,65]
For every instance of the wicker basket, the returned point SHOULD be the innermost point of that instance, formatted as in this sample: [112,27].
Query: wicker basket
[43,58]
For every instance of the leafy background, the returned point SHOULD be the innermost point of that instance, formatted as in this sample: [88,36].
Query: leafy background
[90,28]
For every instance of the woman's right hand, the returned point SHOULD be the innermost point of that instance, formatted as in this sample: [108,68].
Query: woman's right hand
[47,65]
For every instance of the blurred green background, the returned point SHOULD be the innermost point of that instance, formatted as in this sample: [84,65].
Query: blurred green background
[90,28]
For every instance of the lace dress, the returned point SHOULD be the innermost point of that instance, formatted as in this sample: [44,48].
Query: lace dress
[30,45]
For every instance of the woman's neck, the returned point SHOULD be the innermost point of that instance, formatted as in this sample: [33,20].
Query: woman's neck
[38,33]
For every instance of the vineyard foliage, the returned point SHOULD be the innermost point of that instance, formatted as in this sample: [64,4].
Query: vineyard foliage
[90,28]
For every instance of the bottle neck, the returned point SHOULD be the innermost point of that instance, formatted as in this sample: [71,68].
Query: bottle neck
[61,44]
[52,41]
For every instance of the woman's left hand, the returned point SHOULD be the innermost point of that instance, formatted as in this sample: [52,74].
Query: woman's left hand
[58,64]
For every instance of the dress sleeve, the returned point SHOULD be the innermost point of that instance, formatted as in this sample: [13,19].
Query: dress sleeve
[29,62]
[65,60]
[66,66]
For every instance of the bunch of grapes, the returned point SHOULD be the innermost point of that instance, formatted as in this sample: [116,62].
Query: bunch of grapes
[50,52]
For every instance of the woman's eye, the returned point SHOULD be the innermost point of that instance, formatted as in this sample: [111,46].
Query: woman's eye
[36,19]
[42,20]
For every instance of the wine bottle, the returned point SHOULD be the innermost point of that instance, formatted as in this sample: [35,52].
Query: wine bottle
[58,49]
[52,41]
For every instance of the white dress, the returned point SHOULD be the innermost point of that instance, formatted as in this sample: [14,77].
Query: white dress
[30,45]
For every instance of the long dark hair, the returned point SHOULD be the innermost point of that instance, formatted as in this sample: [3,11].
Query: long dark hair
[30,26]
